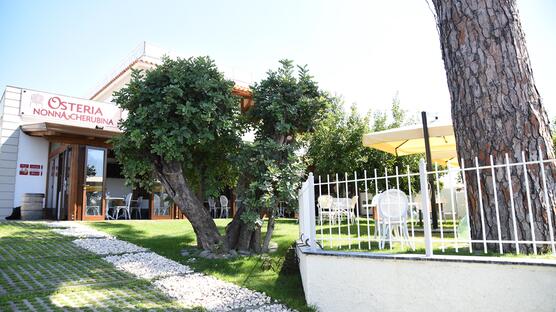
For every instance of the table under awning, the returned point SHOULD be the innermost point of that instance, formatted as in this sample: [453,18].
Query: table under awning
[409,140]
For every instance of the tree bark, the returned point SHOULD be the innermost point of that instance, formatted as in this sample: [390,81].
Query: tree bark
[240,236]
[496,110]
[171,176]
[269,231]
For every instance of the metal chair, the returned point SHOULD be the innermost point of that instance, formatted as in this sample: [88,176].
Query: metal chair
[324,204]
[212,207]
[137,208]
[224,206]
[126,208]
[161,204]
[392,209]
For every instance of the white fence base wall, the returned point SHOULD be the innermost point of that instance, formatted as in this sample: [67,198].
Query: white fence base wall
[340,281]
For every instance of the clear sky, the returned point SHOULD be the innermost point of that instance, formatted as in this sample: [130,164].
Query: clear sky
[365,51]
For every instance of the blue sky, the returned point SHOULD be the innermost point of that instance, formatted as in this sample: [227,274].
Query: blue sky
[366,51]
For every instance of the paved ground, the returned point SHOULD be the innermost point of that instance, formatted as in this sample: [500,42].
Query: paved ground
[44,271]
[66,266]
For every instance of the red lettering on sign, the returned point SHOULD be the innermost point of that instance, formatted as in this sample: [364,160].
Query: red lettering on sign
[23,165]
[56,103]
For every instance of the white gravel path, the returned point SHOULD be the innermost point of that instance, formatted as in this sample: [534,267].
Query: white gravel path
[214,295]
[148,265]
[175,280]
[106,246]
[81,232]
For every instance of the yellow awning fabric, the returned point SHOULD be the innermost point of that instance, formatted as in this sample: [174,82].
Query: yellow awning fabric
[410,140]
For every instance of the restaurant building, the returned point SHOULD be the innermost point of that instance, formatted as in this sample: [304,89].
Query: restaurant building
[58,146]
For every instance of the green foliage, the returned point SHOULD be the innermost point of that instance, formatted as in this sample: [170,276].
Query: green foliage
[286,106]
[336,144]
[181,110]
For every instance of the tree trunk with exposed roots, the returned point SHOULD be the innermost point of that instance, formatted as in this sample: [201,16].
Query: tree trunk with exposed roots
[497,110]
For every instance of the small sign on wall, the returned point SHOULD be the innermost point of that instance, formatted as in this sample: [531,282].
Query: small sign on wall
[30,169]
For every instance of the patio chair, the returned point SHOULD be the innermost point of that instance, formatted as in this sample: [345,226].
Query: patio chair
[392,209]
[137,207]
[212,207]
[160,205]
[281,210]
[224,206]
[351,209]
[324,204]
[125,208]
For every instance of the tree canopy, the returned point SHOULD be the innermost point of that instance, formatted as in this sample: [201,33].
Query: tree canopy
[336,144]
[288,103]
[182,110]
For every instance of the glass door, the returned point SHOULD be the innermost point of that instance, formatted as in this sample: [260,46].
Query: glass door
[93,190]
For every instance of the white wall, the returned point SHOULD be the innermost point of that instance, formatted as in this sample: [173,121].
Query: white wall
[9,142]
[31,150]
[344,282]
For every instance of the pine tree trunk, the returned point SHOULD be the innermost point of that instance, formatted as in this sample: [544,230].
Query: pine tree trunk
[171,177]
[496,110]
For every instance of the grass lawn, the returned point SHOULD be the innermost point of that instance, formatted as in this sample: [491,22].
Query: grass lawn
[338,237]
[169,237]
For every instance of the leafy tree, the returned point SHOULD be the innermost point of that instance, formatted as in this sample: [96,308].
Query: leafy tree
[336,144]
[287,105]
[182,130]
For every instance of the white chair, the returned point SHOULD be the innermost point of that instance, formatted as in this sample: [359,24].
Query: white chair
[365,205]
[324,203]
[224,206]
[392,209]
[137,208]
[349,212]
[212,207]
[126,208]
[281,210]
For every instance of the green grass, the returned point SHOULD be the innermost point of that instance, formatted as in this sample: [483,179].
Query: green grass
[348,241]
[169,237]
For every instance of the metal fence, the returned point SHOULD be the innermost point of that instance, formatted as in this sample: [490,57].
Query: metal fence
[491,208]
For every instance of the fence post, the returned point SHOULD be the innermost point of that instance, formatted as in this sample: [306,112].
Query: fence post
[310,216]
[425,202]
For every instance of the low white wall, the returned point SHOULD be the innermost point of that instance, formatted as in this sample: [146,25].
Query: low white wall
[362,282]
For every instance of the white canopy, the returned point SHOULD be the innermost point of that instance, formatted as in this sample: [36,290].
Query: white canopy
[410,140]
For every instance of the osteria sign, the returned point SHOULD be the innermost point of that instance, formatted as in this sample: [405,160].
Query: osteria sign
[41,107]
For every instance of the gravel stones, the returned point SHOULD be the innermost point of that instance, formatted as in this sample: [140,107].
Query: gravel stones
[171,278]
[81,232]
[104,246]
[147,265]
[195,290]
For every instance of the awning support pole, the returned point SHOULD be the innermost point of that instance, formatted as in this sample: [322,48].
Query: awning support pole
[429,169]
